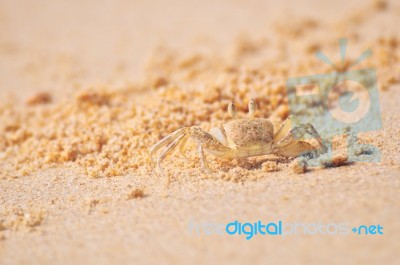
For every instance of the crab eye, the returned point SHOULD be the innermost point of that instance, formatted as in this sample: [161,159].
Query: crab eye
[232,109]
[252,108]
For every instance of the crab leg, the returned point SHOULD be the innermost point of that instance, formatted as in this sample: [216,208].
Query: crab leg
[180,138]
[291,131]
[204,165]
[285,128]
[170,147]
[182,148]
[294,149]
[165,141]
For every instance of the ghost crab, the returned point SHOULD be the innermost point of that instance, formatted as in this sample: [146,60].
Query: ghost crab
[242,138]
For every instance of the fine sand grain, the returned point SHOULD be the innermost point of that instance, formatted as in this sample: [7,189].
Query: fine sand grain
[86,89]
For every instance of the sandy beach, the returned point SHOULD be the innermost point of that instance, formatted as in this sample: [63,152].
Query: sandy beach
[87,88]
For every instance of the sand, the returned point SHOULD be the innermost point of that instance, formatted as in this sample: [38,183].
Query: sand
[86,89]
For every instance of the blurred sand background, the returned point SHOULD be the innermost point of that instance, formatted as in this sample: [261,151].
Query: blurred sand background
[88,86]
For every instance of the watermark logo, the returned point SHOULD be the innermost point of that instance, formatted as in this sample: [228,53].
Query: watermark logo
[343,102]
[279,228]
